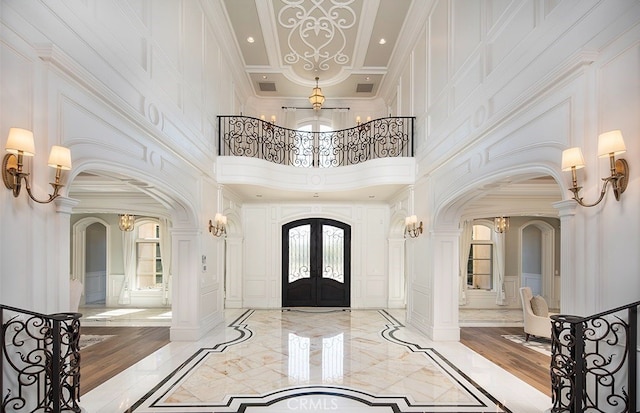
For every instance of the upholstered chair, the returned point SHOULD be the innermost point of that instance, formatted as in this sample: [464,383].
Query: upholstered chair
[536,315]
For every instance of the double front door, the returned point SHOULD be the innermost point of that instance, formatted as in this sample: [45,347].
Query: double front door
[316,263]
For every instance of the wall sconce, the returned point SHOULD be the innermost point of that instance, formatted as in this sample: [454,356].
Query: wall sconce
[609,144]
[126,222]
[20,144]
[501,224]
[363,127]
[268,125]
[411,226]
[220,227]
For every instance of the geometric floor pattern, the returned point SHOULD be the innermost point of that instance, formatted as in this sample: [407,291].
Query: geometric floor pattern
[317,360]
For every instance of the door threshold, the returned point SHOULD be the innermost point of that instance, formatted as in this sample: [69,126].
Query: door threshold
[316,309]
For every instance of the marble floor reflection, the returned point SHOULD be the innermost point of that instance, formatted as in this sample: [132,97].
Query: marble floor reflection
[313,361]
[93,316]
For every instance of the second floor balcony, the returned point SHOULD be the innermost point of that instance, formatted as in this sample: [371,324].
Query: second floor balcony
[253,152]
[255,138]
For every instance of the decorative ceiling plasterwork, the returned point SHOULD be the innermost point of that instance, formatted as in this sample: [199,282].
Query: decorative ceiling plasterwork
[348,44]
[317,35]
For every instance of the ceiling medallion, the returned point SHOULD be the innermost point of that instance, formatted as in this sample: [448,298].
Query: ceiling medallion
[316,36]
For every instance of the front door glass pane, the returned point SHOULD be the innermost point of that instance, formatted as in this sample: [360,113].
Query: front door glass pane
[333,253]
[299,252]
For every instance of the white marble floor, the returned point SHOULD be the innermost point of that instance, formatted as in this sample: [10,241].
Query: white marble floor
[314,361]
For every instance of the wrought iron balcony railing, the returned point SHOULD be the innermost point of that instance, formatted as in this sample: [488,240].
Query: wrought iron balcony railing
[40,361]
[255,138]
[594,361]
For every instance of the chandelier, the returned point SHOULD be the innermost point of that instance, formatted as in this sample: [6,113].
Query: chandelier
[317,98]
[501,224]
[126,221]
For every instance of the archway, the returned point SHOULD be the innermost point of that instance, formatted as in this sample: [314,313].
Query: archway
[90,258]
[537,263]
[515,192]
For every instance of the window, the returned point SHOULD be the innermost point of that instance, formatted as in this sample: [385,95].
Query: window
[480,264]
[305,147]
[148,261]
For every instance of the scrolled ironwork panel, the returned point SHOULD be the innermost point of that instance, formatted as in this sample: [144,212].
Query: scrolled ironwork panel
[299,253]
[40,361]
[590,362]
[333,253]
[252,137]
[562,365]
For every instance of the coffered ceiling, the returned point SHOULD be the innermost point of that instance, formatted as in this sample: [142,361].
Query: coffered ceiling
[349,44]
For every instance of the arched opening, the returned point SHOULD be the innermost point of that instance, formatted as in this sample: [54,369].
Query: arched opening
[102,196]
[525,199]
[90,260]
[95,274]
[538,260]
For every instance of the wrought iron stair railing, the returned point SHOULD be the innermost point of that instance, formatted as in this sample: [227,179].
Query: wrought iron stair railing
[253,137]
[40,361]
[594,361]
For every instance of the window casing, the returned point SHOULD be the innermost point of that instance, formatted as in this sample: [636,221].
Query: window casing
[480,266]
[148,257]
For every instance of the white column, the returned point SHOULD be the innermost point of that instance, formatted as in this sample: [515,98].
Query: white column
[397,280]
[445,269]
[185,267]
[58,284]
[233,272]
[571,287]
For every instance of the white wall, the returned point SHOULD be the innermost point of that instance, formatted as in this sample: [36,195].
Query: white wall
[512,86]
[499,89]
[262,264]
[133,89]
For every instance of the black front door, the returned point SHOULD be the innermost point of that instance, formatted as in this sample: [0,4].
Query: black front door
[316,263]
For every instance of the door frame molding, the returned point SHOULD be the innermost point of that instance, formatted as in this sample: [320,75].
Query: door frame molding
[547,258]
[79,245]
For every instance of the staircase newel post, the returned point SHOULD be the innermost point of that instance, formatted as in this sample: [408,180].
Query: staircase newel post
[579,367]
[56,376]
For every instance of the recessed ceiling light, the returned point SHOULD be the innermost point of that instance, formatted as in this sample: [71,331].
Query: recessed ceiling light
[382,41]
[264,76]
[367,78]
[251,39]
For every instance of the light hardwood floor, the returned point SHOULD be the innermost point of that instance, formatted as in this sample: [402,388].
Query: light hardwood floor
[102,361]
[528,365]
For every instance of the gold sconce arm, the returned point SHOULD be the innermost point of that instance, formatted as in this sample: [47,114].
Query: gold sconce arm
[609,144]
[20,143]
[412,228]
[220,227]
[13,175]
[414,231]
[619,179]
